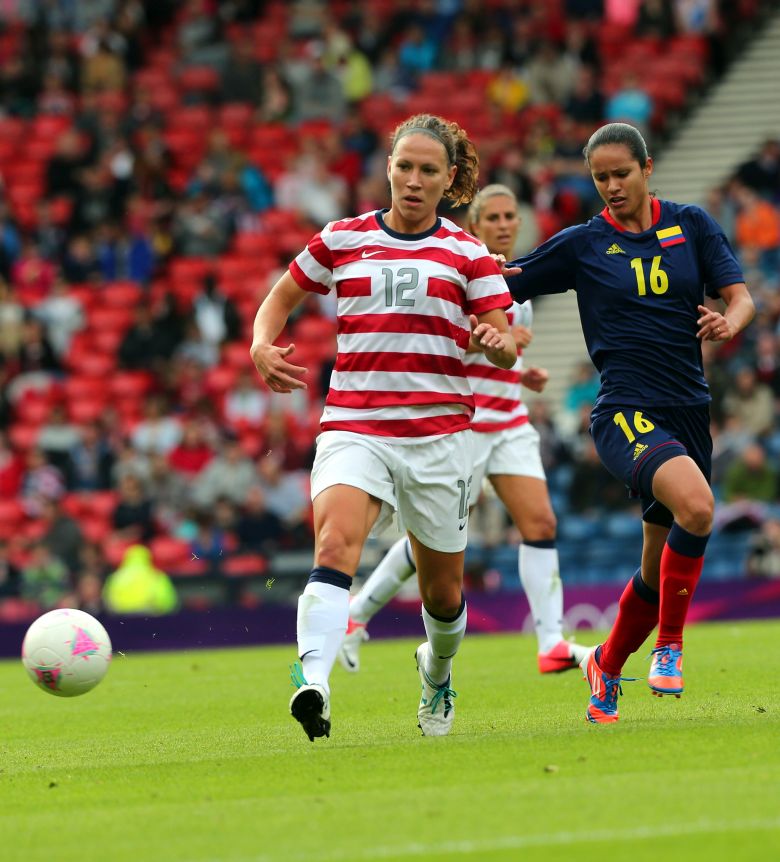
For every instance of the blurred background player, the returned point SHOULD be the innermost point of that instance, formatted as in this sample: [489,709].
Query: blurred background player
[642,269]
[413,290]
[506,451]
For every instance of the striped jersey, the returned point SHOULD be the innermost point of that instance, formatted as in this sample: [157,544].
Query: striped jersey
[403,305]
[497,391]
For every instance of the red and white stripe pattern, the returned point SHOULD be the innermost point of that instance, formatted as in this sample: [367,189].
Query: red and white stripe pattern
[497,391]
[403,326]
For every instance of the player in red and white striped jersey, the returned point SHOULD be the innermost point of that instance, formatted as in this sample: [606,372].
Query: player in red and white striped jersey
[413,292]
[506,450]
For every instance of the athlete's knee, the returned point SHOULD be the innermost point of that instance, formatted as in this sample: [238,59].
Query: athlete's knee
[695,512]
[335,547]
[442,599]
[541,526]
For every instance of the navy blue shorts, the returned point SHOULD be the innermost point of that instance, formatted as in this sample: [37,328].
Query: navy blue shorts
[632,445]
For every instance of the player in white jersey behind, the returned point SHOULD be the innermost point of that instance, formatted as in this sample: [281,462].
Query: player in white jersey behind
[413,292]
[506,450]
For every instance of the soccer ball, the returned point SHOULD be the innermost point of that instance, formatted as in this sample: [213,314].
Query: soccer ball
[66,652]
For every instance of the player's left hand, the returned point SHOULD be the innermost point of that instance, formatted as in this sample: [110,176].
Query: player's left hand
[713,326]
[522,336]
[535,378]
[506,271]
[484,336]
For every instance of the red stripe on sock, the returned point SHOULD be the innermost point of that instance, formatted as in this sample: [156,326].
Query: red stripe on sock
[679,576]
[635,620]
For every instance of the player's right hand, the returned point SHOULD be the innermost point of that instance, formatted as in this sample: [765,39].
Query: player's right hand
[272,365]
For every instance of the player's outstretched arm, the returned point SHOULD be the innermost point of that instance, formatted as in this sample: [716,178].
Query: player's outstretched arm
[269,359]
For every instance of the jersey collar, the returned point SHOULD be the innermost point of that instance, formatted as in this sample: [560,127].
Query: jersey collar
[655,214]
[409,237]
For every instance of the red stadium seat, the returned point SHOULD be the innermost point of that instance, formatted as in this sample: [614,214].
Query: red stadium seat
[189,268]
[121,294]
[87,364]
[106,317]
[245,566]
[114,549]
[11,513]
[23,437]
[220,378]
[169,553]
[76,387]
[99,504]
[254,245]
[130,384]
[236,356]
[86,410]
[198,79]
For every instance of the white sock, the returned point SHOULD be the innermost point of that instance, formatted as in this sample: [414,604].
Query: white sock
[384,582]
[443,641]
[541,580]
[323,611]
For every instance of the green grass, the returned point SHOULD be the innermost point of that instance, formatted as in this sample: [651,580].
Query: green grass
[192,757]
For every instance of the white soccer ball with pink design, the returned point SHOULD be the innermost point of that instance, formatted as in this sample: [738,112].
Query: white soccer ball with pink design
[66,652]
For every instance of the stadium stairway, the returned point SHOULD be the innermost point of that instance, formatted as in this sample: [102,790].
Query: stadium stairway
[728,126]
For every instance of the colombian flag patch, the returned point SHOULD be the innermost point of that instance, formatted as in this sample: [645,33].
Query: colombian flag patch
[670,236]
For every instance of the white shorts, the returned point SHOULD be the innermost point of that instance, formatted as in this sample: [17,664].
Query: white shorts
[511,452]
[426,484]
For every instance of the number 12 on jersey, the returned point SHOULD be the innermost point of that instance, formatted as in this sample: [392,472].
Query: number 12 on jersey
[641,425]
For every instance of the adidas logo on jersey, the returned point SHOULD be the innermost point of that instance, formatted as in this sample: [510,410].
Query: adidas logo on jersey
[615,249]
[639,449]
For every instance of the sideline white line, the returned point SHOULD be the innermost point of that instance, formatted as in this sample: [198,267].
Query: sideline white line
[518,842]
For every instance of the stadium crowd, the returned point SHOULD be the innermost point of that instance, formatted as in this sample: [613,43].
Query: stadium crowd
[162,161]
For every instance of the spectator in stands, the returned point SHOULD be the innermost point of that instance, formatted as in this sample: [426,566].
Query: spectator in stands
[551,74]
[246,404]
[242,78]
[35,362]
[259,530]
[132,518]
[750,402]
[198,35]
[56,437]
[210,544]
[10,241]
[91,459]
[11,322]
[762,172]
[192,453]
[145,344]
[216,316]
[308,187]
[591,488]
[194,349]
[508,90]
[751,476]
[285,494]
[656,19]
[758,227]
[91,574]
[62,314]
[167,490]
[32,275]
[12,469]
[630,104]
[138,587]
[198,228]
[586,101]
[277,101]
[764,555]
[230,474]
[551,446]
[45,579]
[54,99]
[62,535]
[10,575]
[79,262]
[158,433]
[65,165]
[318,94]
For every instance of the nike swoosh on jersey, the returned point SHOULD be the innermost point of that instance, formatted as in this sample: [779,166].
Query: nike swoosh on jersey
[370,253]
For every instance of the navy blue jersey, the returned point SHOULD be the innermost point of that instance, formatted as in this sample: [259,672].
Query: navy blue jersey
[638,295]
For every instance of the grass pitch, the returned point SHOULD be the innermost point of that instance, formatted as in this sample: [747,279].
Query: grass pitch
[192,757]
